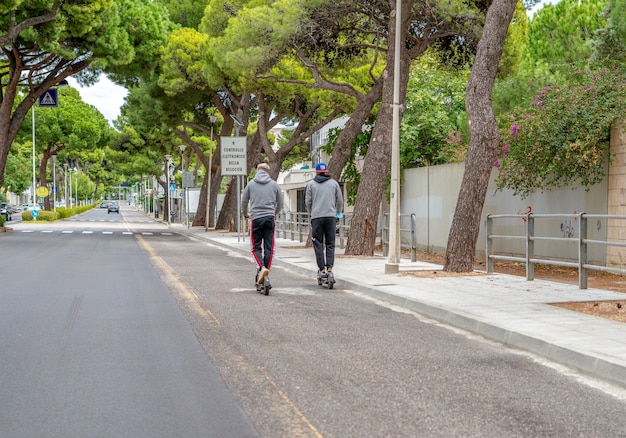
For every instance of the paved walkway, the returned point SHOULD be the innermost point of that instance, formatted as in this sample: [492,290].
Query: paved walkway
[504,308]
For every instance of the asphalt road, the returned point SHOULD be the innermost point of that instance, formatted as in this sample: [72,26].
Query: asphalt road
[104,345]
[92,344]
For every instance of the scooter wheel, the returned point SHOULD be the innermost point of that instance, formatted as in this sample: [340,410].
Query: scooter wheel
[331,284]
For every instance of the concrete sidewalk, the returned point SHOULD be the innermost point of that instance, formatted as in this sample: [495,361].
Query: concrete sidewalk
[503,308]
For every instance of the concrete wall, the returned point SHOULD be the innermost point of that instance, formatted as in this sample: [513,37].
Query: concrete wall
[431,193]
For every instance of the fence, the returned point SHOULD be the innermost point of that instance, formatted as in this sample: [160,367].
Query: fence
[530,238]
[412,245]
[297,226]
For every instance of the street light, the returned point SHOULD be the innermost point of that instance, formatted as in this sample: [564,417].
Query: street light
[168,207]
[34,180]
[393,265]
[54,183]
[213,119]
[184,169]
[76,178]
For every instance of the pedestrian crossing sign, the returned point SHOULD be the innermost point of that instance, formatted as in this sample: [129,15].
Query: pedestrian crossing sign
[49,98]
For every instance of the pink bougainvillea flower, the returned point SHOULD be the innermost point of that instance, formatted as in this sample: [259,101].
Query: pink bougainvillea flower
[514,129]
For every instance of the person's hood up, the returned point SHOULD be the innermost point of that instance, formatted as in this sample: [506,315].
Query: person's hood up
[320,178]
[262,177]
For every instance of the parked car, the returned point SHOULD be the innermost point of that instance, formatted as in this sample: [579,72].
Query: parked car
[29,207]
[6,210]
[113,207]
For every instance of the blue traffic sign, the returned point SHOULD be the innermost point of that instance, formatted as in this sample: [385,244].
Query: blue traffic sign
[49,99]
[172,187]
[34,213]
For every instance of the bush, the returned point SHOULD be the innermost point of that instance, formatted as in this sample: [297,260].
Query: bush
[44,215]
[2,220]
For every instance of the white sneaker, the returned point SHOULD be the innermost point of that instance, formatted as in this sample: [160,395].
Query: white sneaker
[264,273]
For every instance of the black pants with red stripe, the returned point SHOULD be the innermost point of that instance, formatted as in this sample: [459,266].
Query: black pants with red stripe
[262,238]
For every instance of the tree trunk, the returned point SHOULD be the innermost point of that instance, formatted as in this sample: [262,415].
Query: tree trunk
[43,182]
[227,219]
[484,139]
[376,167]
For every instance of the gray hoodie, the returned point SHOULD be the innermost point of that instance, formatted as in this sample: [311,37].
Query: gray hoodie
[264,196]
[322,197]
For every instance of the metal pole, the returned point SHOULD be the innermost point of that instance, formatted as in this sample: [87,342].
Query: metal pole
[168,206]
[67,204]
[54,182]
[238,209]
[34,180]
[393,265]
[71,187]
[213,119]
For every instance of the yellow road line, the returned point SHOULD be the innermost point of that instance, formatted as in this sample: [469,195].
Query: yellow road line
[171,279]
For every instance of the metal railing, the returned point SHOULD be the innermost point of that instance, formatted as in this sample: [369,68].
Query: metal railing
[293,226]
[530,259]
[412,245]
[297,226]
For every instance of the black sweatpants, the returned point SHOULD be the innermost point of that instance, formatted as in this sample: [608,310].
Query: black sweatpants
[323,235]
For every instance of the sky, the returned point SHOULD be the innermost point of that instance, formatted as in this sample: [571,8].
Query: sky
[104,95]
[108,97]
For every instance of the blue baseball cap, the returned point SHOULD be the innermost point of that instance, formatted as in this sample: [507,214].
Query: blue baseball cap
[321,168]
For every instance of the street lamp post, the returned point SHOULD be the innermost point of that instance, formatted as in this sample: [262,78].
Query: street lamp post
[393,265]
[67,204]
[168,207]
[213,119]
[34,180]
[76,191]
[54,183]
[184,169]
[71,187]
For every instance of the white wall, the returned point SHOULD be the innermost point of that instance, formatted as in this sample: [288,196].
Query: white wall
[431,193]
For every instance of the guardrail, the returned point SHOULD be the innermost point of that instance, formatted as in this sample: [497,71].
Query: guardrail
[530,259]
[384,235]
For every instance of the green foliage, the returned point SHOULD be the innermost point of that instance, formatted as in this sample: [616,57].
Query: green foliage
[559,36]
[297,155]
[18,171]
[433,125]
[609,43]
[562,137]
[351,173]
[514,44]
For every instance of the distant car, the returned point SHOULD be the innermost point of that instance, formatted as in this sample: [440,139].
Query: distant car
[105,204]
[29,207]
[6,210]
[113,207]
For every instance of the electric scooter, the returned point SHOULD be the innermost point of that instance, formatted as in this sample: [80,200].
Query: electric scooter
[265,287]
[326,279]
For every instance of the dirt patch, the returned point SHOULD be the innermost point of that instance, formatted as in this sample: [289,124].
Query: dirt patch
[615,310]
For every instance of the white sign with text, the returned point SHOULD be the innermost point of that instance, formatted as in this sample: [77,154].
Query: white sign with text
[233,154]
